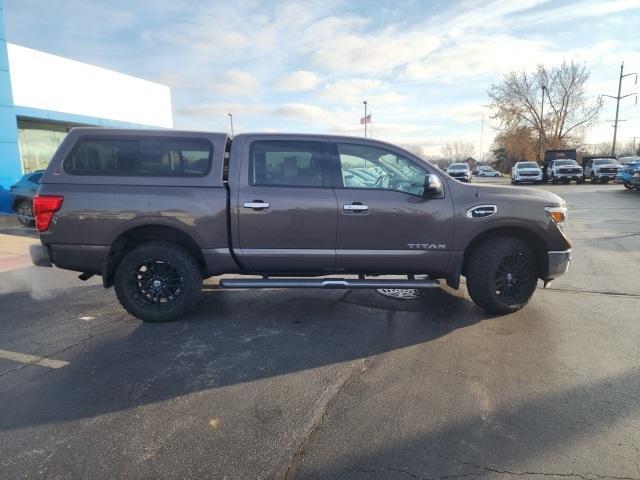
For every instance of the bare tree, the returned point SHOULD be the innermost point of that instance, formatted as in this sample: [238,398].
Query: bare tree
[516,103]
[414,148]
[604,149]
[458,151]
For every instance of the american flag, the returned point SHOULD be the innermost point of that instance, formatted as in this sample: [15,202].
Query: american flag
[365,120]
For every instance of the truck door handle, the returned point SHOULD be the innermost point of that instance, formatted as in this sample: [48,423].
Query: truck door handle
[256,205]
[355,207]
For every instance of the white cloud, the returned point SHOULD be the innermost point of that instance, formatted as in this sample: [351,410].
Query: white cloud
[221,109]
[298,81]
[303,111]
[466,112]
[478,56]
[352,91]
[343,45]
[583,9]
[233,82]
[349,88]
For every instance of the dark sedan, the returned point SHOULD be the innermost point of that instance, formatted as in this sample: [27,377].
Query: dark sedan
[22,194]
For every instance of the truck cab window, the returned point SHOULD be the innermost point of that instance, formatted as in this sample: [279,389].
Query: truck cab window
[363,166]
[286,163]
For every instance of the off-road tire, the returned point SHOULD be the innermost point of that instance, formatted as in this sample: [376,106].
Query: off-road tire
[187,273]
[482,269]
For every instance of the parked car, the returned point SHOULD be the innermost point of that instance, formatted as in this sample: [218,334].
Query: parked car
[459,171]
[552,155]
[565,171]
[523,172]
[22,194]
[601,169]
[487,171]
[629,165]
[154,212]
[635,180]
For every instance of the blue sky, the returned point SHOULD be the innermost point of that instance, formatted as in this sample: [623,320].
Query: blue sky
[423,66]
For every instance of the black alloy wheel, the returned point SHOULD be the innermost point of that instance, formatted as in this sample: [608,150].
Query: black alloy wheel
[155,284]
[510,278]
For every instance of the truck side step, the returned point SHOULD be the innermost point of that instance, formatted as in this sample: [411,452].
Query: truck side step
[326,283]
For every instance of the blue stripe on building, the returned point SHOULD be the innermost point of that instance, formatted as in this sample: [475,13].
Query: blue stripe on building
[10,168]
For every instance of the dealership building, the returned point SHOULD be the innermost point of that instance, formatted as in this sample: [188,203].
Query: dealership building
[42,96]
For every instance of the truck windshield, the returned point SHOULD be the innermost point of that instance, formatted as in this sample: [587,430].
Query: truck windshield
[458,166]
[565,162]
[528,165]
[605,161]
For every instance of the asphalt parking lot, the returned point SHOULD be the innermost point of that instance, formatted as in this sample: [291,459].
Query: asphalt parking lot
[331,384]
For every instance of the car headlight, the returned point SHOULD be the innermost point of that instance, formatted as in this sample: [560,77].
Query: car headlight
[558,215]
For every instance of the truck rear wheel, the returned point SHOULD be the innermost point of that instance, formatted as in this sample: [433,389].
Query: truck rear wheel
[158,281]
[502,274]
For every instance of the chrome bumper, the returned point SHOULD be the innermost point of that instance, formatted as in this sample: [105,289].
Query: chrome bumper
[558,263]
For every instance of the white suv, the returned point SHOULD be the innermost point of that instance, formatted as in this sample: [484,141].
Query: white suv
[459,171]
[526,172]
[487,171]
[601,169]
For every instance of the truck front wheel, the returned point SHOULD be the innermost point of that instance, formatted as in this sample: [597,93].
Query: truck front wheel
[158,281]
[502,274]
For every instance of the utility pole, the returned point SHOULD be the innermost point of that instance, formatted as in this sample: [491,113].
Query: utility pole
[365,118]
[540,133]
[231,121]
[618,98]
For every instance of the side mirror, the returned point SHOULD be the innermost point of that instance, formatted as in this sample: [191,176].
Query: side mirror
[432,186]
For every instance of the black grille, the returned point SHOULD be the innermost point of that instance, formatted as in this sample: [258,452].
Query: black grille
[528,174]
[609,170]
[569,170]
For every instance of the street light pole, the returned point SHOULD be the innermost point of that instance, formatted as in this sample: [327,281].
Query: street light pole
[231,121]
[365,118]
[544,88]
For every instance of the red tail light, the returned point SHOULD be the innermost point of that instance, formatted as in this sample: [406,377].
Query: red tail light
[44,206]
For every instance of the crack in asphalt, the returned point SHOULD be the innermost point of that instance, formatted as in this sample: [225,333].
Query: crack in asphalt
[594,292]
[324,404]
[322,407]
[607,237]
[484,470]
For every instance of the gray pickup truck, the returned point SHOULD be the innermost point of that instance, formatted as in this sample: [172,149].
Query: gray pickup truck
[154,212]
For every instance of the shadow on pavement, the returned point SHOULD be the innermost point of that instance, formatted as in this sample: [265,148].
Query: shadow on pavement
[513,436]
[231,337]
[9,225]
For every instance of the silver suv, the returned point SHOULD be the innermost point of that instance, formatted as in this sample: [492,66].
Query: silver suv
[460,171]
[601,169]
